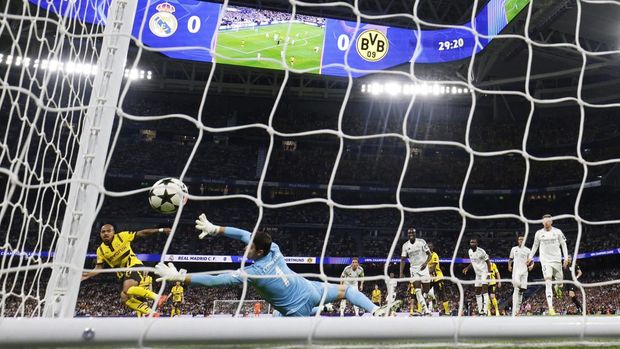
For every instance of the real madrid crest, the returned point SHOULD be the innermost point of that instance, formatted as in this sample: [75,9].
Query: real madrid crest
[163,23]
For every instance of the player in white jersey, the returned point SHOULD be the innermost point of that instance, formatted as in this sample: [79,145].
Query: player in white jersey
[419,255]
[391,290]
[550,240]
[519,266]
[354,270]
[481,263]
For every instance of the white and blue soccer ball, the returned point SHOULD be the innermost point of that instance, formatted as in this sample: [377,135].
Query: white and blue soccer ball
[167,194]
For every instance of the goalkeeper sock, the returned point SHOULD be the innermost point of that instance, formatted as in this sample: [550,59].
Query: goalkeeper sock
[138,291]
[137,305]
[446,307]
[358,298]
[172,312]
[419,307]
[495,306]
[549,294]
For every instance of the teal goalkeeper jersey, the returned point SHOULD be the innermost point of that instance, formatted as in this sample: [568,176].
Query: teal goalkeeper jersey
[286,290]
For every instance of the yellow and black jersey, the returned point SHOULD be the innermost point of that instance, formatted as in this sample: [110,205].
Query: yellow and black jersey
[492,274]
[118,254]
[410,288]
[177,293]
[437,269]
[376,296]
[146,282]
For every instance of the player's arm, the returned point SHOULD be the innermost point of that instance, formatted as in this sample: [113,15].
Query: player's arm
[534,248]
[466,269]
[511,259]
[97,270]
[148,232]
[564,248]
[402,266]
[170,273]
[209,229]
[403,255]
[362,282]
[498,277]
[578,273]
[428,257]
[342,276]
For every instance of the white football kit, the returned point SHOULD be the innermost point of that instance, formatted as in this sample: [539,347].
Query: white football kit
[519,256]
[417,253]
[479,260]
[550,242]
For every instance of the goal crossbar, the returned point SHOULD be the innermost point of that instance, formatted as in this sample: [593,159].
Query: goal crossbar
[290,331]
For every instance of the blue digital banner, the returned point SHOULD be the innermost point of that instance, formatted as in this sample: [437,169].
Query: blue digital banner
[290,259]
[275,40]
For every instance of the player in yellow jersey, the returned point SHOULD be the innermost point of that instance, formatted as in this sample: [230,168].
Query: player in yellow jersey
[411,296]
[177,299]
[493,284]
[115,251]
[376,295]
[437,283]
[146,283]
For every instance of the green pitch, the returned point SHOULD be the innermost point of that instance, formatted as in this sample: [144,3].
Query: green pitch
[513,7]
[249,43]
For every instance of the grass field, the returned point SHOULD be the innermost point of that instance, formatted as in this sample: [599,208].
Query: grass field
[249,43]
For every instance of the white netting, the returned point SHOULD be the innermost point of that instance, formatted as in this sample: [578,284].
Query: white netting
[66,102]
[249,307]
[48,63]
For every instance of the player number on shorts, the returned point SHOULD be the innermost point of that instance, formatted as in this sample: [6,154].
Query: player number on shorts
[193,24]
[282,276]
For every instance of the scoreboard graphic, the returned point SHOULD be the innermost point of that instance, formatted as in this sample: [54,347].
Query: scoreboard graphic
[189,30]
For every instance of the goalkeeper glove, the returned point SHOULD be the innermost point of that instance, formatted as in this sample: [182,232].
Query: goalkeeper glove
[169,272]
[207,228]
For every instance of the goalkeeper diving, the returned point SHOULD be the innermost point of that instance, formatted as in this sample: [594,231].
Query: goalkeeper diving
[288,292]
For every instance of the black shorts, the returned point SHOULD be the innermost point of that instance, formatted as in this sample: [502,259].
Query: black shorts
[133,274]
[438,285]
[176,304]
[492,288]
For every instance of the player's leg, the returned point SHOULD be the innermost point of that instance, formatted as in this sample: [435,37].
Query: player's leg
[484,289]
[478,291]
[494,304]
[440,296]
[419,296]
[516,292]
[430,296]
[132,302]
[343,307]
[575,300]
[558,275]
[137,291]
[547,270]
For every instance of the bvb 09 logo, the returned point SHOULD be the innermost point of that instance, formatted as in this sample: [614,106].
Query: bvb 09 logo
[372,45]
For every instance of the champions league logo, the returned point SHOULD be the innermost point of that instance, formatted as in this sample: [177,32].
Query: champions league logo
[163,23]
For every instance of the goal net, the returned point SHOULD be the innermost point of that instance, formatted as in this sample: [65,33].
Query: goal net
[336,127]
[249,308]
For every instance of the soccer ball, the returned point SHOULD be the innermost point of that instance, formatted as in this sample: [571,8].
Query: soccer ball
[167,194]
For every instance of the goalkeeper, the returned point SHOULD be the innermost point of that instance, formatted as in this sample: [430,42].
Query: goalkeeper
[288,292]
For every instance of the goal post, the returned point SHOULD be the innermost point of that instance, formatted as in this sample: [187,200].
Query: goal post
[89,175]
[292,332]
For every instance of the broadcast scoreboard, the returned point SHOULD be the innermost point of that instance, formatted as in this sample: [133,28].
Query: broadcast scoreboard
[189,30]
